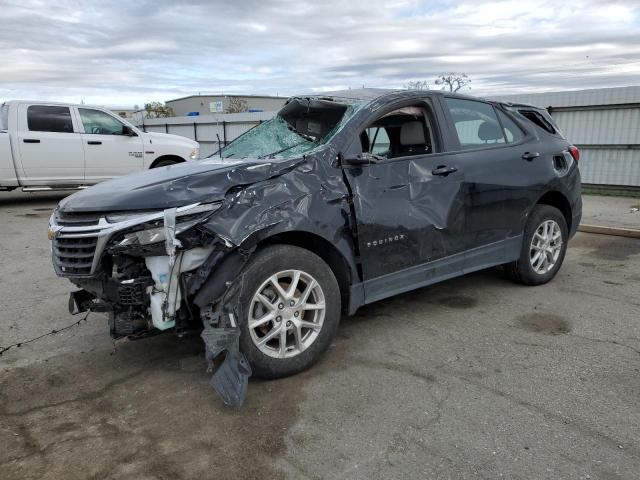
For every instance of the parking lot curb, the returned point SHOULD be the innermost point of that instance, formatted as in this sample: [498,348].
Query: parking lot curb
[617,231]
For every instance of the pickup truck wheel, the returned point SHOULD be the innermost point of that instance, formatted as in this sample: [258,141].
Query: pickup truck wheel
[543,247]
[289,304]
[165,163]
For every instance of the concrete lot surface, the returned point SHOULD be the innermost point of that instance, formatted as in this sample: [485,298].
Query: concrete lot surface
[620,212]
[472,378]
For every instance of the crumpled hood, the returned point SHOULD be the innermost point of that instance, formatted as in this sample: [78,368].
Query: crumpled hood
[174,186]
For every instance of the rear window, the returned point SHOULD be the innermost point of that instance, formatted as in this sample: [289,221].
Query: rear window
[539,119]
[46,118]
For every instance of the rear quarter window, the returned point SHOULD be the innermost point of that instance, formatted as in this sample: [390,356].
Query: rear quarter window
[538,119]
[512,132]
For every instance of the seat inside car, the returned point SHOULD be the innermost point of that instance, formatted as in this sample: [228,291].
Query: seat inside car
[490,132]
[413,139]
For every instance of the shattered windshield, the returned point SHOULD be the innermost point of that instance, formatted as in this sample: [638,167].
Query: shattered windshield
[302,125]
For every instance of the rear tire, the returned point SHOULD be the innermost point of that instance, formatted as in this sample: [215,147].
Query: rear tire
[307,332]
[540,257]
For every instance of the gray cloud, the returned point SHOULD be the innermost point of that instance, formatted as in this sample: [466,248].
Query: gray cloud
[131,52]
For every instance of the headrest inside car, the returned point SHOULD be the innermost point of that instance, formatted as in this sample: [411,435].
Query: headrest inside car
[489,131]
[412,133]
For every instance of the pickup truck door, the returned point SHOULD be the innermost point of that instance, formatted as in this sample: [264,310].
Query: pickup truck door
[409,206]
[49,146]
[109,152]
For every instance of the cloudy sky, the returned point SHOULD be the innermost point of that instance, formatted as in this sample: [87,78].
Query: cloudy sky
[121,53]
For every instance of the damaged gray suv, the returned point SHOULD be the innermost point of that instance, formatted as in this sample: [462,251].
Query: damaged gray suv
[333,204]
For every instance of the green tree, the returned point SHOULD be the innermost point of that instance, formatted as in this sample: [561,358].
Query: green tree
[237,105]
[157,110]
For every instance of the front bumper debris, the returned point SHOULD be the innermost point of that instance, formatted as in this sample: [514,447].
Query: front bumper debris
[231,378]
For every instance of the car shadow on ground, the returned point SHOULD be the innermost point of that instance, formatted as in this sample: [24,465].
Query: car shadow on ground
[18,199]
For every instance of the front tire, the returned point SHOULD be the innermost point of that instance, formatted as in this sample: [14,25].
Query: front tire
[289,310]
[544,245]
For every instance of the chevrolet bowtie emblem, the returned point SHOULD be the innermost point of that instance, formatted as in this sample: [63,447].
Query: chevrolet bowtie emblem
[51,232]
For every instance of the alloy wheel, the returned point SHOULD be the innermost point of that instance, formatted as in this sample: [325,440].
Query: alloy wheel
[546,246]
[286,314]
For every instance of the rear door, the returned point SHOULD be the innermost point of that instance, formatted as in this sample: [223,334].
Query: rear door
[108,151]
[49,144]
[409,210]
[488,145]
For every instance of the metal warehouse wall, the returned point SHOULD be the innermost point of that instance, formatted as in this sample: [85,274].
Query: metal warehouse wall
[200,103]
[204,128]
[604,123]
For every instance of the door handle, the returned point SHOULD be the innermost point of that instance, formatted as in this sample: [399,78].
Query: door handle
[94,142]
[530,155]
[443,170]
[31,140]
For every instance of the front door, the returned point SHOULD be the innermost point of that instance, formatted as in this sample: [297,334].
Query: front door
[108,151]
[50,146]
[408,202]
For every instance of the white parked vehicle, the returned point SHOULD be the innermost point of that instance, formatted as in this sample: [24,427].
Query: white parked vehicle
[52,146]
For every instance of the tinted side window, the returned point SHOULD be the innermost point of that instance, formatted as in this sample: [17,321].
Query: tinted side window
[513,133]
[404,132]
[476,123]
[44,118]
[100,123]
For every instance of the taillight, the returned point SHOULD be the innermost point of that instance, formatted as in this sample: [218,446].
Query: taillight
[575,153]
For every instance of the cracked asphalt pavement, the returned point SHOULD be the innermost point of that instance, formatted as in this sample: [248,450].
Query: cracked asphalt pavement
[472,378]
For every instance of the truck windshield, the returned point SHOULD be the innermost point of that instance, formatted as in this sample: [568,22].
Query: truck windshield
[302,125]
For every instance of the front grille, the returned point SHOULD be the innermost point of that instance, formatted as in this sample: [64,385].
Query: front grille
[77,219]
[74,255]
[76,242]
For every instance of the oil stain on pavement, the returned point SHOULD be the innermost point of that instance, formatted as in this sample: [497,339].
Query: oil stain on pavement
[545,323]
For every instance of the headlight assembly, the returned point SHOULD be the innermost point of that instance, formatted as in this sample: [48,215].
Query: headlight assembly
[133,218]
[195,153]
[149,226]
[152,235]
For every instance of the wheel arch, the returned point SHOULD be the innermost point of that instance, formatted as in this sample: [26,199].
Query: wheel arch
[173,158]
[558,200]
[324,249]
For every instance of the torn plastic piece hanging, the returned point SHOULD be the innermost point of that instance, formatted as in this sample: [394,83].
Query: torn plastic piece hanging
[231,377]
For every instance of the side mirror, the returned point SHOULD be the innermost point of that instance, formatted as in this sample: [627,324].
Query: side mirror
[364,158]
[128,131]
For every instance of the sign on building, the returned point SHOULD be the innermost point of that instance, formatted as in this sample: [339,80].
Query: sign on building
[216,107]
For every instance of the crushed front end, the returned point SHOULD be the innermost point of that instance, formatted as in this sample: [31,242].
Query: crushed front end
[143,268]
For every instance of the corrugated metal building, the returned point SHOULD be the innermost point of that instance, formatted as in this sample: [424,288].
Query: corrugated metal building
[207,129]
[604,123]
[216,104]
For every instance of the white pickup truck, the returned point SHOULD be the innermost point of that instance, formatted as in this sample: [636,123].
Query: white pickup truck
[49,146]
